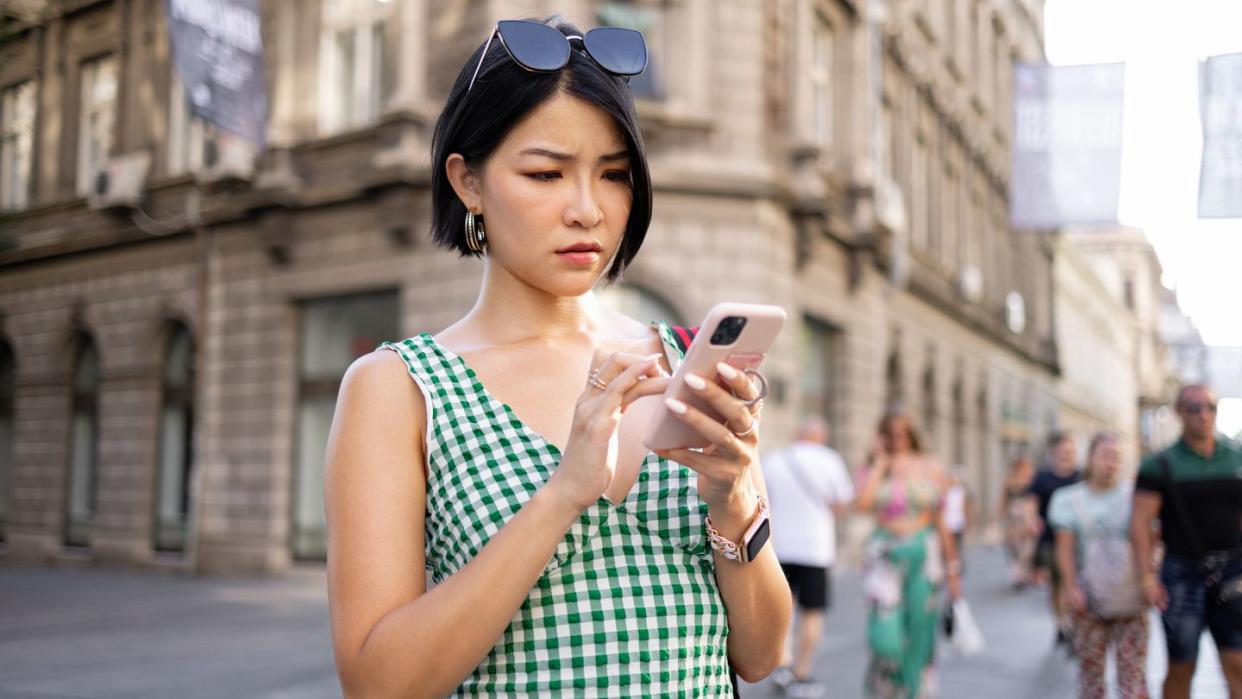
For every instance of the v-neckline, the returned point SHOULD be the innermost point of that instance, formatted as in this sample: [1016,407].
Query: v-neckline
[491,397]
[531,432]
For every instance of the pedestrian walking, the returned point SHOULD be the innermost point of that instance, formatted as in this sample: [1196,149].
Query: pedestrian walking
[1102,586]
[809,487]
[1020,521]
[908,558]
[1194,488]
[566,558]
[1062,472]
[957,511]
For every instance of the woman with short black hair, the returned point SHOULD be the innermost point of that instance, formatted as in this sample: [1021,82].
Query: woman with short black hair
[565,557]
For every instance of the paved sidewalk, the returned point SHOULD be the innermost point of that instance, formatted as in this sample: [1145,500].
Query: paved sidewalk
[99,633]
[1019,661]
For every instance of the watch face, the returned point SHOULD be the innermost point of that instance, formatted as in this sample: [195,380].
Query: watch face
[760,537]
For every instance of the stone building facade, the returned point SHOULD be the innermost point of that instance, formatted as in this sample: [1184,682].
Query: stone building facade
[168,370]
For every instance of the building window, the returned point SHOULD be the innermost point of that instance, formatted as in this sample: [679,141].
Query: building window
[352,49]
[639,303]
[648,20]
[821,83]
[919,190]
[186,133]
[1127,292]
[8,389]
[96,119]
[930,412]
[334,332]
[17,116]
[82,478]
[175,442]
[818,350]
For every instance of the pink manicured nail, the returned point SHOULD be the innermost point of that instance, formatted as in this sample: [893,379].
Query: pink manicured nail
[675,405]
[726,371]
[695,382]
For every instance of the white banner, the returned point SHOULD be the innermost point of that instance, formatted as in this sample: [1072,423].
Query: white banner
[1220,109]
[1066,145]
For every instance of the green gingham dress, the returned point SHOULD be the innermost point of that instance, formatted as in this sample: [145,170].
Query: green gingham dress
[627,607]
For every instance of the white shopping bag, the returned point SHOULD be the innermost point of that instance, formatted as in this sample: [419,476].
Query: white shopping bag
[966,638]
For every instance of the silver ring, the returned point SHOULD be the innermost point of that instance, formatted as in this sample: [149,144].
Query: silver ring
[748,430]
[594,380]
[763,387]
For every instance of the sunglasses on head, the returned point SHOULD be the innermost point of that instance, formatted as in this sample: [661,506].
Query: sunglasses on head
[543,49]
[1195,408]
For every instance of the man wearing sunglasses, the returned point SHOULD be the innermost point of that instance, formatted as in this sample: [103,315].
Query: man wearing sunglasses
[1194,487]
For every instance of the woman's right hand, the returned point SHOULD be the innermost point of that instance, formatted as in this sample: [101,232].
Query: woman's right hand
[1156,594]
[1075,597]
[590,458]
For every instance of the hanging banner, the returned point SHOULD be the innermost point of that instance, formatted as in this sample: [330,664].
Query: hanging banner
[1220,110]
[1066,145]
[217,50]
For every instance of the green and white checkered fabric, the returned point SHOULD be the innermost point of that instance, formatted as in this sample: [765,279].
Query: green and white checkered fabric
[628,606]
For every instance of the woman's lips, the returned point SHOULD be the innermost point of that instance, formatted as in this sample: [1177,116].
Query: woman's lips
[579,257]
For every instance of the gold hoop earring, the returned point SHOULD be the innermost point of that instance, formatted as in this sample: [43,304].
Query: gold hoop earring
[476,237]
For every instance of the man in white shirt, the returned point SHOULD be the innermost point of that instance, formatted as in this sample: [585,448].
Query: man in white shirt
[808,486]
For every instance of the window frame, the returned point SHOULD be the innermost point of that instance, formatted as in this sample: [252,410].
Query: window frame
[89,72]
[16,179]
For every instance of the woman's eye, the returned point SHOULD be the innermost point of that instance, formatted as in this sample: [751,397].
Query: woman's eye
[618,176]
[544,176]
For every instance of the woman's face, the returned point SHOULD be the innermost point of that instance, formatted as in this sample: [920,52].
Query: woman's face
[897,436]
[1105,461]
[555,197]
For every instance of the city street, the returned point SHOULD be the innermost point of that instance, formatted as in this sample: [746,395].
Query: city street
[101,633]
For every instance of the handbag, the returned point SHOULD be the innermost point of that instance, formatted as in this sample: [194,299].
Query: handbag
[1214,566]
[961,629]
[1107,571]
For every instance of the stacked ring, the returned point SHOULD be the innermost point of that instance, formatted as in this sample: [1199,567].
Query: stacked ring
[594,380]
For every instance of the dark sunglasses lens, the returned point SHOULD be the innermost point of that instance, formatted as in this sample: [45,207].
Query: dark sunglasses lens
[535,46]
[617,50]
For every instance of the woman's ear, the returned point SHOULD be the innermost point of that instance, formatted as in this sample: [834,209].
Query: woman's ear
[465,181]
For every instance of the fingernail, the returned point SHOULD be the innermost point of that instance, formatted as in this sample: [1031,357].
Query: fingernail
[651,357]
[675,405]
[726,371]
[695,382]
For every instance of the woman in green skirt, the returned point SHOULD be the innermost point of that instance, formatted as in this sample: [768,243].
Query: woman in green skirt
[908,557]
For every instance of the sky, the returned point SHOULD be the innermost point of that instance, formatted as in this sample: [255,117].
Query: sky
[1161,44]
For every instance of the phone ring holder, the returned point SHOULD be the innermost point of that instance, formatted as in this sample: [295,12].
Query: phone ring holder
[763,387]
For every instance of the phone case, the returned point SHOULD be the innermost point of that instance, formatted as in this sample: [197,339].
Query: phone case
[763,323]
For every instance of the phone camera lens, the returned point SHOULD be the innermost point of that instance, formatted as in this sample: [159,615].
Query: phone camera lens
[728,330]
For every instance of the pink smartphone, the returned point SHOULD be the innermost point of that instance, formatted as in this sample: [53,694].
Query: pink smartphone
[738,334]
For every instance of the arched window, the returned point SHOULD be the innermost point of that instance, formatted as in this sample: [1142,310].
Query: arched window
[8,376]
[83,443]
[172,503]
[639,303]
[930,412]
[334,332]
[893,383]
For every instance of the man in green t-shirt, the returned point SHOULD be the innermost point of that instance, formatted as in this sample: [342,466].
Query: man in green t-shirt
[1204,471]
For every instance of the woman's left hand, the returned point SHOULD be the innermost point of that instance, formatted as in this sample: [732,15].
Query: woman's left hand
[955,586]
[724,466]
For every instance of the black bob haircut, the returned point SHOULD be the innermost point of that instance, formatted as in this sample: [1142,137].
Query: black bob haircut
[474,123]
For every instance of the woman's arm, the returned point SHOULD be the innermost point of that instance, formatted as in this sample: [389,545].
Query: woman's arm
[952,557]
[391,636]
[1068,568]
[755,594]
[872,478]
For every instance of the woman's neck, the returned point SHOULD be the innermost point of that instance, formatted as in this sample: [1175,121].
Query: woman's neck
[513,311]
[1100,483]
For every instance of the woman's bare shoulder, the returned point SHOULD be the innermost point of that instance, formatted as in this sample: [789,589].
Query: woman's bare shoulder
[379,382]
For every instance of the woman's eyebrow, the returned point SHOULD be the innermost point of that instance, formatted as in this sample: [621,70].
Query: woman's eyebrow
[556,155]
[544,152]
[619,155]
